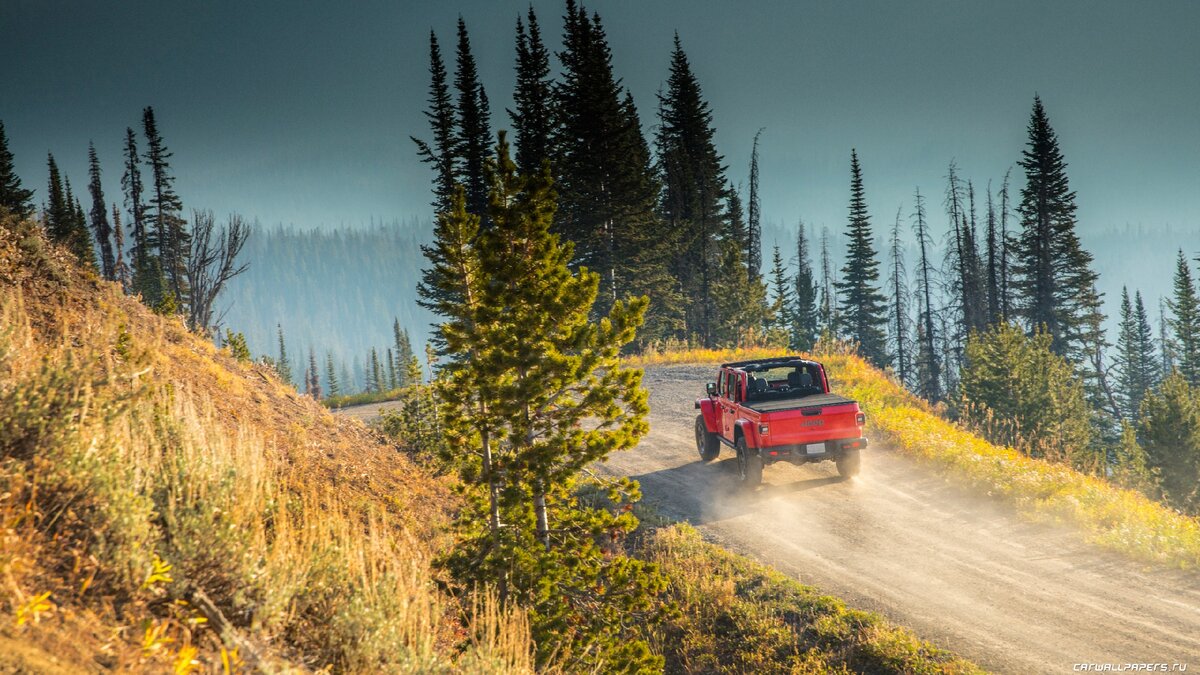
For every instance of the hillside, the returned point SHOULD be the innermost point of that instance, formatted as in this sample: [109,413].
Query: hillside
[164,505]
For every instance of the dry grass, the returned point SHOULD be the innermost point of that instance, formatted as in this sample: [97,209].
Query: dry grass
[147,477]
[1113,517]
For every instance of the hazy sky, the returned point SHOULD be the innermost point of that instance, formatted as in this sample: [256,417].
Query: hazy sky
[300,111]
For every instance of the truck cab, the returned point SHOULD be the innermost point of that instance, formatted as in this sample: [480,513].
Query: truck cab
[778,410]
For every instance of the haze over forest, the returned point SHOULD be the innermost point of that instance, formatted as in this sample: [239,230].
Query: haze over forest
[312,135]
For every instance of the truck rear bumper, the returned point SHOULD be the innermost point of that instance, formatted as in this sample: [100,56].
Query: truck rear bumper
[813,452]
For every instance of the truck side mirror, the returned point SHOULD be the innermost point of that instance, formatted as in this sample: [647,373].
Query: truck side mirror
[711,387]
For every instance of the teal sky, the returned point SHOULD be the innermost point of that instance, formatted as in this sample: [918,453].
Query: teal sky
[300,111]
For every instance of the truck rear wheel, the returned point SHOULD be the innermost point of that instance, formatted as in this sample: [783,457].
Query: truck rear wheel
[750,465]
[707,443]
[849,464]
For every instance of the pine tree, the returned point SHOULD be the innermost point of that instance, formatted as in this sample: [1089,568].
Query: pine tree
[754,219]
[969,301]
[1131,467]
[739,304]
[147,279]
[862,308]
[899,338]
[827,312]
[99,216]
[120,268]
[607,190]
[782,297]
[168,230]
[1166,346]
[283,366]
[1185,323]
[58,209]
[1006,246]
[805,319]
[392,371]
[236,343]
[314,387]
[376,383]
[404,353]
[12,196]
[538,387]
[995,254]
[442,151]
[1169,430]
[533,119]
[1016,391]
[1053,272]
[80,240]
[928,359]
[473,137]
[694,186]
[1136,364]
[331,378]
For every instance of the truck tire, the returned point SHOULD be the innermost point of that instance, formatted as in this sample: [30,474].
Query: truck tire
[750,465]
[849,464]
[707,443]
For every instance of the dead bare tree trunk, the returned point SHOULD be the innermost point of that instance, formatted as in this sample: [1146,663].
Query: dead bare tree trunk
[211,264]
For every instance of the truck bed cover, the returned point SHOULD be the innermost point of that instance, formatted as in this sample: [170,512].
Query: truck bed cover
[813,401]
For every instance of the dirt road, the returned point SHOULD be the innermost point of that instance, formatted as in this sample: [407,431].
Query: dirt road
[959,568]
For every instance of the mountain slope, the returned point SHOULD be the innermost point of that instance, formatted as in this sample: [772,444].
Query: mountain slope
[163,505]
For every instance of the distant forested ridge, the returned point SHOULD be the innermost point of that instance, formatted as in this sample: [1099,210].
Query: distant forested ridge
[332,290]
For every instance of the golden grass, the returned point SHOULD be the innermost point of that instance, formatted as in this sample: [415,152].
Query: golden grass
[146,477]
[1115,518]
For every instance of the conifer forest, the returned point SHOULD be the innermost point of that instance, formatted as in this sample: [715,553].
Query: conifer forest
[602,220]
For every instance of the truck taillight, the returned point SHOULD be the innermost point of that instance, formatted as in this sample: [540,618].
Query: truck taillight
[860,419]
[763,430]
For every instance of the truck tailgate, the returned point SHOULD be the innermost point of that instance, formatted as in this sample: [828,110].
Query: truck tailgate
[812,423]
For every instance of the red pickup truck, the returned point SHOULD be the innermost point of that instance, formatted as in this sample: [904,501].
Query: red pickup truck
[778,410]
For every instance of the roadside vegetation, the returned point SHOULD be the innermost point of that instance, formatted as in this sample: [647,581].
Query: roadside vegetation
[165,507]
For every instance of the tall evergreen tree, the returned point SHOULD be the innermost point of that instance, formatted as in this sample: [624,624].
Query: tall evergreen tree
[283,365]
[12,196]
[1185,322]
[331,379]
[995,254]
[694,187]
[899,338]
[79,240]
[805,319]
[782,296]
[1165,345]
[1136,364]
[58,215]
[968,297]
[535,383]
[404,353]
[1053,272]
[121,272]
[863,307]
[101,228]
[146,267]
[928,358]
[533,119]
[1006,246]
[164,212]
[473,137]
[1169,428]
[441,152]
[754,218]
[607,190]
[827,311]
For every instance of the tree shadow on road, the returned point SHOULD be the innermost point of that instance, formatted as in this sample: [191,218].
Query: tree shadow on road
[701,492]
